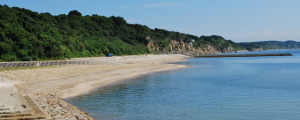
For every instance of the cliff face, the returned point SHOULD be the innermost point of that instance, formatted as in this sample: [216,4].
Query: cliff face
[180,47]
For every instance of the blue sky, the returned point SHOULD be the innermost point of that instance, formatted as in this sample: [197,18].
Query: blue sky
[237,20]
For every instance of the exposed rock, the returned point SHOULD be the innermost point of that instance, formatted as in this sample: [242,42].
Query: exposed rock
[180,47]
[57,108]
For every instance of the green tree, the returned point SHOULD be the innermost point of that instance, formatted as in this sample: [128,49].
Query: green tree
[74,13]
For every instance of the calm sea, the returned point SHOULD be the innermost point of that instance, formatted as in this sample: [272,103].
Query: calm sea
[248,88]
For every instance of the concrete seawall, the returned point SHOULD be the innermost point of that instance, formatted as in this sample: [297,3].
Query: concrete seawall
[47,63]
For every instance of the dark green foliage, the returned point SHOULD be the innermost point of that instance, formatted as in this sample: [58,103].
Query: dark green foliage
[27,35]
[217,41]
[265,45]
[74,13]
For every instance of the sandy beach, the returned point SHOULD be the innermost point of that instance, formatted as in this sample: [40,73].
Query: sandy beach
[48,86]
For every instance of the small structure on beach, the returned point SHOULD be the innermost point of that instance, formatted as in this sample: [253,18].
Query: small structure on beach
[109,55]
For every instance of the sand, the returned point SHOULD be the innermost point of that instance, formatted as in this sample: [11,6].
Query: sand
[50,85]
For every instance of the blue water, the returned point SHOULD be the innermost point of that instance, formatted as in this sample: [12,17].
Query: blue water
[249,88]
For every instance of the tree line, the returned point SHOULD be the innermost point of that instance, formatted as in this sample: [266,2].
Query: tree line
[267,45]
[26,35]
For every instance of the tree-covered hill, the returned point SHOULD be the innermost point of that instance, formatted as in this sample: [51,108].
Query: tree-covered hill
[266,45]
[28,35]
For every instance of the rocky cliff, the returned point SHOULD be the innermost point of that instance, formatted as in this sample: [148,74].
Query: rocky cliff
[187,48]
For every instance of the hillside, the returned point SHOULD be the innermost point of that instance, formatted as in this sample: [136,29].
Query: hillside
[26,35]
[266,45]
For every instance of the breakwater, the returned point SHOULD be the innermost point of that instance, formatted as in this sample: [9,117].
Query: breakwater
[245,55]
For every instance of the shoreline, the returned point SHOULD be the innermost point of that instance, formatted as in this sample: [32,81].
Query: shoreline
[51,85]
[112,81]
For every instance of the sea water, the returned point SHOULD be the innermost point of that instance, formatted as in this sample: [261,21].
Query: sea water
[235,88]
